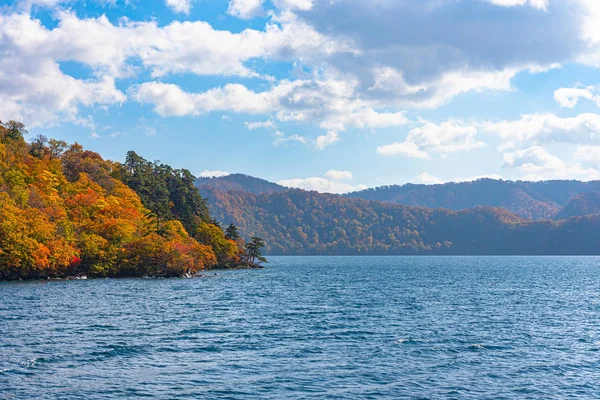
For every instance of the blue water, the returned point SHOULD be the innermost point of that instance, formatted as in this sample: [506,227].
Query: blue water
[320,327]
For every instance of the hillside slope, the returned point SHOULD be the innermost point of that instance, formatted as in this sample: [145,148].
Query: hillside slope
[299,222]
[531,200]
[580,205]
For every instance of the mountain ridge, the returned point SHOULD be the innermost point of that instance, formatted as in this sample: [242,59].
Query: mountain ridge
[530,200]
[298,222]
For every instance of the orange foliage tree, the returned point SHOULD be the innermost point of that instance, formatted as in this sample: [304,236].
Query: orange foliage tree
[64,212]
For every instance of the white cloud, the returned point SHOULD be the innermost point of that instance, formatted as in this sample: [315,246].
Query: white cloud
[336,175]
[539,4]
[327,102]
[180,6]
[329,183]
[33,88]
[391,88]
[282,139]
[546,128]
[169,100]
[537,164]
[394,55]
[588,155]
[213,174]
[245,9]
[388,79]
[590,26]
[293,4]
[406,149]
[260,124]
[569,97]
[173,48]
[363,118]
[427,179]
[448,137]
[38,93]
[531,158]
[326,140]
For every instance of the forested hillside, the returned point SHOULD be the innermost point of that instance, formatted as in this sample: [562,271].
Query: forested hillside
[532,200]
[300,222]
[583,204]
[66,211]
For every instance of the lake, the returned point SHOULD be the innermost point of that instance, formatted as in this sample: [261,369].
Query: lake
[312,327]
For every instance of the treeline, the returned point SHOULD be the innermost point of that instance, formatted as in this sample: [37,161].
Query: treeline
[65,211]
[298,222]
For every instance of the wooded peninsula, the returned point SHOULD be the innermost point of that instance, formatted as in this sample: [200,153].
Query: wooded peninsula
[65,211]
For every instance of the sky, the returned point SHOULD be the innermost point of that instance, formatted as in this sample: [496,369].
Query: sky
[328,95]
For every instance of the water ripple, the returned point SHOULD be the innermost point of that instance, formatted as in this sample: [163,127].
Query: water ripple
[312,328]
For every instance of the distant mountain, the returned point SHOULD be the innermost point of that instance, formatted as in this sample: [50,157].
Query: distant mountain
[298,222]
[582,204]
[241,182]
[531,200]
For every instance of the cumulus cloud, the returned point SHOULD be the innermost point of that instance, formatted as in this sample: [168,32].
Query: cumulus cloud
[588,156]
[260,124]
[390,86]
[326,140]
[363,62]
[112,50]
[282,139]
[294,4]
[590,29]
[33,88]
[427,179]
[336,175]
[329,103]
[537,164]
[405,149]
[213,174]
[448,137]
[331,182]
[533,129]
[38,92]
[569,97]
[245,9]
[180,6]
[170,100]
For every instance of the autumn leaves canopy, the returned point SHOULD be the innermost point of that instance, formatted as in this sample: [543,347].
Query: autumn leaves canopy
[65,211]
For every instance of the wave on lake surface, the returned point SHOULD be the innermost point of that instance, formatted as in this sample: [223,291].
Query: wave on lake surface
[312,327]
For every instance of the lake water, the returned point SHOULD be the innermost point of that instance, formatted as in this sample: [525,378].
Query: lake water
[312,327]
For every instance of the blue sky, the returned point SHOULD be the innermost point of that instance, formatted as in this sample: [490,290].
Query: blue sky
[331,96]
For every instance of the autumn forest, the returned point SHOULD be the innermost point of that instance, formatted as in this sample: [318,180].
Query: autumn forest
[65,211]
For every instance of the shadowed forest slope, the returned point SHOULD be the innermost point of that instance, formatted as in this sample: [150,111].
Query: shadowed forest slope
[301,222]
